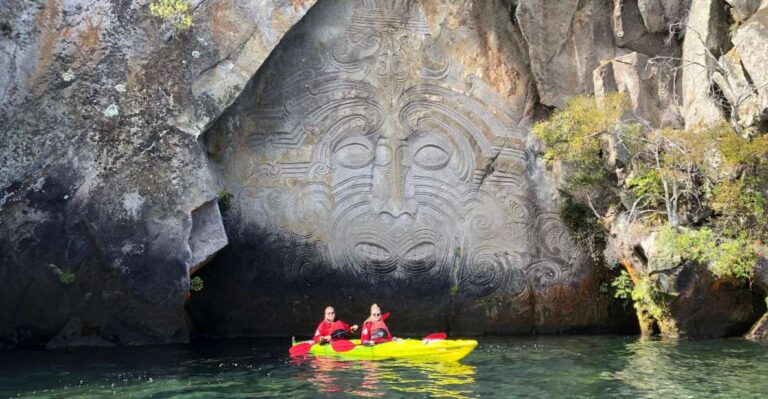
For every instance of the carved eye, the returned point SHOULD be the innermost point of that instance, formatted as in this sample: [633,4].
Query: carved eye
[354,155]
[431,157]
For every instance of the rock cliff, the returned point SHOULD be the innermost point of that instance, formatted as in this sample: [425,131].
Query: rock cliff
[106,199]
[367,151]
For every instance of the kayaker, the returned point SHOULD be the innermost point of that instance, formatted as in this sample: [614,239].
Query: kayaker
[331,328]
[375,331]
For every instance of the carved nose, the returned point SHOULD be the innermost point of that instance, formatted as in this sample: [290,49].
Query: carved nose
[390,173]
[395,207]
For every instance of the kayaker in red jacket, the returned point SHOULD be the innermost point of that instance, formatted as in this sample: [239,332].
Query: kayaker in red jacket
[331,328]
[374,329]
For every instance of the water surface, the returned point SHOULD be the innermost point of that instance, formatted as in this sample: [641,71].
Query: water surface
[552,366]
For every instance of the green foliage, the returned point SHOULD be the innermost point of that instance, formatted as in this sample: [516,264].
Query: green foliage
[647,297]
[739,151]
[225,201]
[195,284]
[177,12]
[622,286]
[573,134]
[66,278]
[646,182]
[707,184]
[741,208]
[725,257]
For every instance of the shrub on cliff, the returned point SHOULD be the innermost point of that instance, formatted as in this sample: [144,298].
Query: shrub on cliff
[704,188]
[575,137]
[196,284]
[728,258]
[176,12]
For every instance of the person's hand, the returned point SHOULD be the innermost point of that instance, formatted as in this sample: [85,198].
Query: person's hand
[353,328]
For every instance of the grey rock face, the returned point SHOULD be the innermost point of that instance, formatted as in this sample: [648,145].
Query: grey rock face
[630,31]
[743,9]
[759,330]
[761,273]
[738,90]
[705,41]
[650,86]
[566,42]
[660,15]
[704,308]
[696,303]
[368,163]
[105,205]
[240,34]
[750,40]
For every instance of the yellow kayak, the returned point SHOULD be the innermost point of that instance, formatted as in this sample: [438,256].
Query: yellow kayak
[412,349]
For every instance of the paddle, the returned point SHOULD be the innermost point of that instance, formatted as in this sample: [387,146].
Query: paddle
[339,345]
[436,336]
[342,345]
[300,349]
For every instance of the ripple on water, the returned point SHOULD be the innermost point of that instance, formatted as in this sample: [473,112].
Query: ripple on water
[558,366]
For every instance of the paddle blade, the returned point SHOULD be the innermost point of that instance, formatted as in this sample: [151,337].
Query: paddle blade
[300,349]
[342,345]
[436,336]
[385,316]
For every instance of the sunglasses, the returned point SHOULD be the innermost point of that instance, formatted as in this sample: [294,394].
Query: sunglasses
[376,314]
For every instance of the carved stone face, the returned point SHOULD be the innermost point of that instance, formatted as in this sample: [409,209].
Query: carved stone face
[376,155]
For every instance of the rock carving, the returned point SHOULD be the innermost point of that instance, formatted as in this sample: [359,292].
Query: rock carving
[373,157]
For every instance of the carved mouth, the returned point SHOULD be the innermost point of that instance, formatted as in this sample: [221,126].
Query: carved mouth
[373,252]
[420,252]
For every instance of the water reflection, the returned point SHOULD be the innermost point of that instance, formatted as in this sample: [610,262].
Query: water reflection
[523,367]
[671,368]
[379,378]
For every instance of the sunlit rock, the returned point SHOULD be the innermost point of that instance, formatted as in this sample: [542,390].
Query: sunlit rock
[750,40]
[705,41]
[650,87]
[566,41]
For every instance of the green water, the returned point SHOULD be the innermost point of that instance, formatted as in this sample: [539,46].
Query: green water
[545,367]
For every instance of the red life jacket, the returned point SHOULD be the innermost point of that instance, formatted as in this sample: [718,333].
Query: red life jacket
[338,328]
[378,332]
[325,329]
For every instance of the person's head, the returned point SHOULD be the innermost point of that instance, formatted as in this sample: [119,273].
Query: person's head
[375,312]
[330,314]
